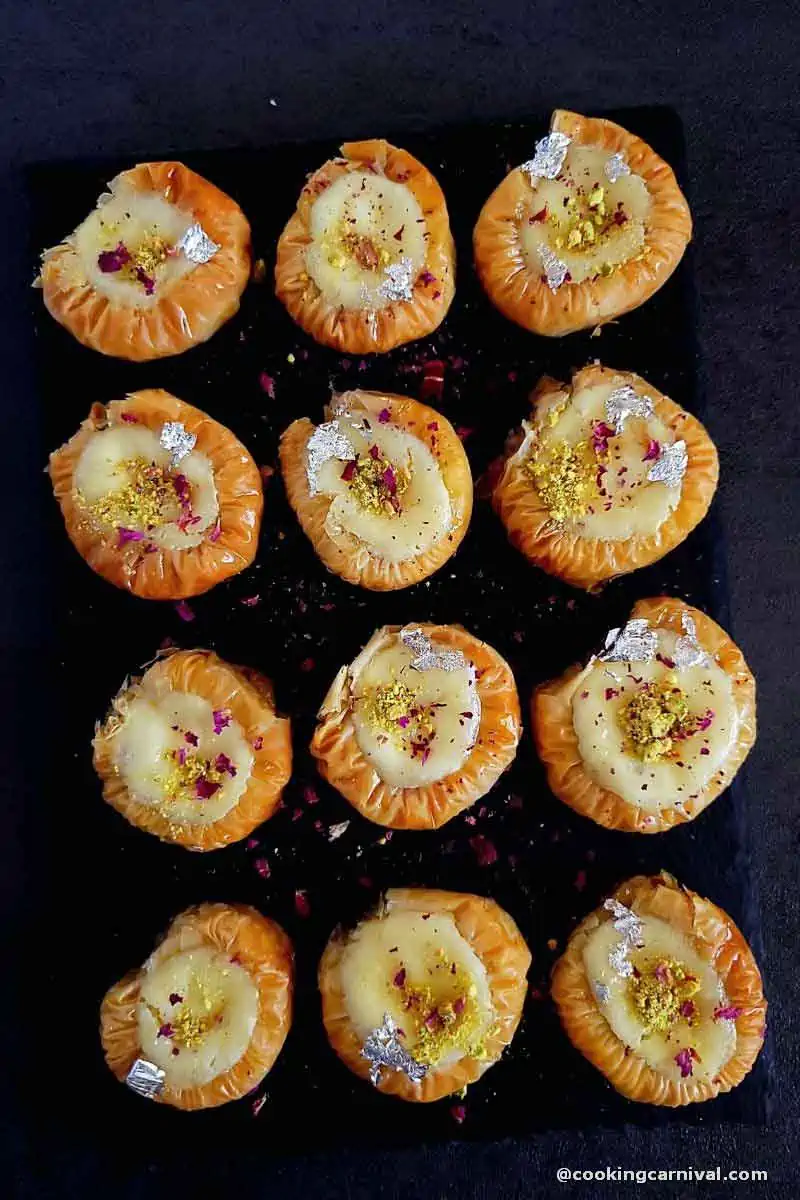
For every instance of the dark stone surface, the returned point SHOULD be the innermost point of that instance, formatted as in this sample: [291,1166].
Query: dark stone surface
[81,78]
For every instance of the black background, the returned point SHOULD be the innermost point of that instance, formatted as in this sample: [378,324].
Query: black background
[84,80]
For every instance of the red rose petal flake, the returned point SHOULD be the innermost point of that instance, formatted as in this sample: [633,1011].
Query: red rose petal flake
[262,866]
[485,850]
[426,278]
[459,1113]
[310,795]
[541,215]
[349,471]
[301,904]
[267,384]
[129,419]
[432,380]
[464,432]
[215,532]
[383,416]
[184,611]
[165,1031]
[266,472]
[400,978]
[611,693]
[667,662]
[128,535]
[580,881]
[307,664]
[684,1060]
[258,743]
[175,998]
[687,1009]
[224,765]
[390,480]
[204,789]
[258,1104]
[729,1013]
[110,261]
[653,451]
[190,737]
[146,281]
[221,719]
[250,601]
[600,435]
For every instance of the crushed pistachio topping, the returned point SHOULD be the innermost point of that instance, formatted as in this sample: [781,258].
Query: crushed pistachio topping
[590,220]
[191,1018]
[393,708]
[138,263]
[143,502]
[657,717]
[192,777]
[344,245]
[661,994]
[375,483]
[443,1014]
[565,477]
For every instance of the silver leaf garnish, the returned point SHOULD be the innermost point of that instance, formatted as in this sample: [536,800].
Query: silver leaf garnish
[145,1078]
[636,642]
[426,657]
[670,466]
[176,439]
[555,271]
[629,926]
[602,991]
[383,1049]
[397,283]
[625,402]
[615,168]
[336,831]
[618,960]
[326,442]
[197,245]
[688,652]
[548,157]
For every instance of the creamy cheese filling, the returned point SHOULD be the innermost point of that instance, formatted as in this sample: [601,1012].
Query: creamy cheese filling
[668,1013]
[592,478]
[653,735]
[367,232]
[589,223]
[124,480]
[167,752]
[415,726]
[389,492]
[422,972]
[197,1011]
[147,227]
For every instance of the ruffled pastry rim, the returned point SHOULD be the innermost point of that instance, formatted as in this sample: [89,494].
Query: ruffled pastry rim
[193,308]
[494,937]
[557,742]
[351,330]
[524,296]
[342,763]
[347,556]
[263,949]
[587,562]
[167,574]
[248,697]
[717,940]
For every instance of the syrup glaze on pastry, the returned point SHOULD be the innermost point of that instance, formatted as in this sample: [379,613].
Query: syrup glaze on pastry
[382,488]
[156,268]
[209,1011]
[367,261]
[446,969]
[586,230]
[157,497]
[419,726]
[194,751]
[660,991]
[606,476]
[647,738]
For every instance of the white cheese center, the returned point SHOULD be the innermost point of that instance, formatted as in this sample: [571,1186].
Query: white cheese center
[197,1012]
[360,225]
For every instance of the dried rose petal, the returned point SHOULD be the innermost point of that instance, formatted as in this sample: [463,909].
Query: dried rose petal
[464,431]
[205,789]
[425,278]
[541,215]
[684,1060]
[390,480]
[190,737]
[729,1013]
[175,998]
[383,416]
[262,866]
[129,418]
[400,978]
[223,763]
[267,384]
[653,451]
[611,693]
[687,1009]
[258,1105]
[307,664]
[301,904]
[215,532]
[110,261]
[485,850]
[458,1112]
[432,380]
[221,719]
[129,535]
[146,281]
[250,601]
[165,1031]
[310,795]
[184,611]
[349,471]
[258,743]
[374,452]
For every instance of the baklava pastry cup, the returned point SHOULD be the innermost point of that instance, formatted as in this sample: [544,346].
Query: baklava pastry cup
[156,268]
[367,260]
[419,726]
[585,231]
[425,994]
[157,497]
[382,488]
[660,991]
[204,1019]
[606,475]
[653,729]
[194,751]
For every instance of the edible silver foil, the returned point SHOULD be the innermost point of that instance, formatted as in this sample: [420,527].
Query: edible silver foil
[197,245]
[327,441]
[670,466]
[555,271]
[145,1078]
[397,283]
[615,168]
[636,642]
[426,657]
[548,157]
[601,991]
[688,652]
[383,1049]
[177,440]
[629,926]
[618,960]
[336,831]
[625,402]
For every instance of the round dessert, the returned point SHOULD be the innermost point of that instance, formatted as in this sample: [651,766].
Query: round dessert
[653,728]
[606,476]
[194,751]
[660,991]
[382,488]
[157,497]
[367,261]
[424,995]
[203,1021]
[419,726]
[585,231]
[156,268]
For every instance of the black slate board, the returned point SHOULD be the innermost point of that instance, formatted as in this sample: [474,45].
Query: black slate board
[553,866]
